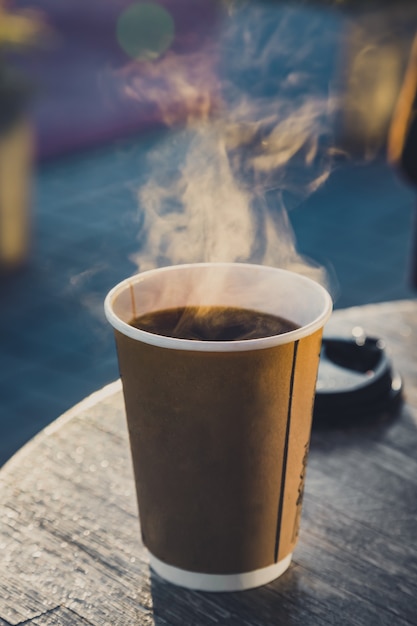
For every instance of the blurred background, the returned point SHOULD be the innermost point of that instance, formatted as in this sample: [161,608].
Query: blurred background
[100,104]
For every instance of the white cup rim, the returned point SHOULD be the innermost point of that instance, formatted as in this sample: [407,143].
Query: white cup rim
[215,346]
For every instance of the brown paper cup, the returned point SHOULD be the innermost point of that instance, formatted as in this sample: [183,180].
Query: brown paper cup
[219,431]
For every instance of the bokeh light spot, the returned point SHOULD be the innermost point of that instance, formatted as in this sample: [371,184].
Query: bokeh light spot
[145,30]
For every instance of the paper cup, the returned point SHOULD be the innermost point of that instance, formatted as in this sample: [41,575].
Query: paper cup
[219,431]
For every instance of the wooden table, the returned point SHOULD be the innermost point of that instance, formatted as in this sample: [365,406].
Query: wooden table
[70,546]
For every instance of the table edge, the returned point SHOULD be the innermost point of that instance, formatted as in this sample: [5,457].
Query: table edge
[85,404]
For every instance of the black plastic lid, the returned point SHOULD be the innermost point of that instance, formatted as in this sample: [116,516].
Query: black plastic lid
[355,381]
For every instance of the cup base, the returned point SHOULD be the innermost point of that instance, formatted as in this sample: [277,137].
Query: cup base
[219,582]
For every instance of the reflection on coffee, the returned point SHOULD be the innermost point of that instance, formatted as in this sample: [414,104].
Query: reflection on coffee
[213,323]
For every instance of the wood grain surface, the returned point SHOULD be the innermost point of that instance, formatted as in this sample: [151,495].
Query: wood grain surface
[70,548]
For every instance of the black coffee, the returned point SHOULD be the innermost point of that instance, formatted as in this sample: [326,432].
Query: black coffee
[214,323]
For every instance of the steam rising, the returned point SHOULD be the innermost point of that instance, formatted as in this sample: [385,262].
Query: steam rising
[220,187]
[203,213]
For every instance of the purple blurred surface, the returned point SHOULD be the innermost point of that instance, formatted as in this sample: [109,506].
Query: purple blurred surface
[79,74]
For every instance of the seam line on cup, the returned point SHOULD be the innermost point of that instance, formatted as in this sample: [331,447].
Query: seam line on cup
[285,455]
[132,297]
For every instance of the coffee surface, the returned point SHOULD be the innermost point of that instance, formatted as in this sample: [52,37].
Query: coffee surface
[213,323]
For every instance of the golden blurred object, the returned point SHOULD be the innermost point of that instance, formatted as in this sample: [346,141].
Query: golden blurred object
[373,62]
[19,29]
[16,150]
[402,141]
[405,111]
